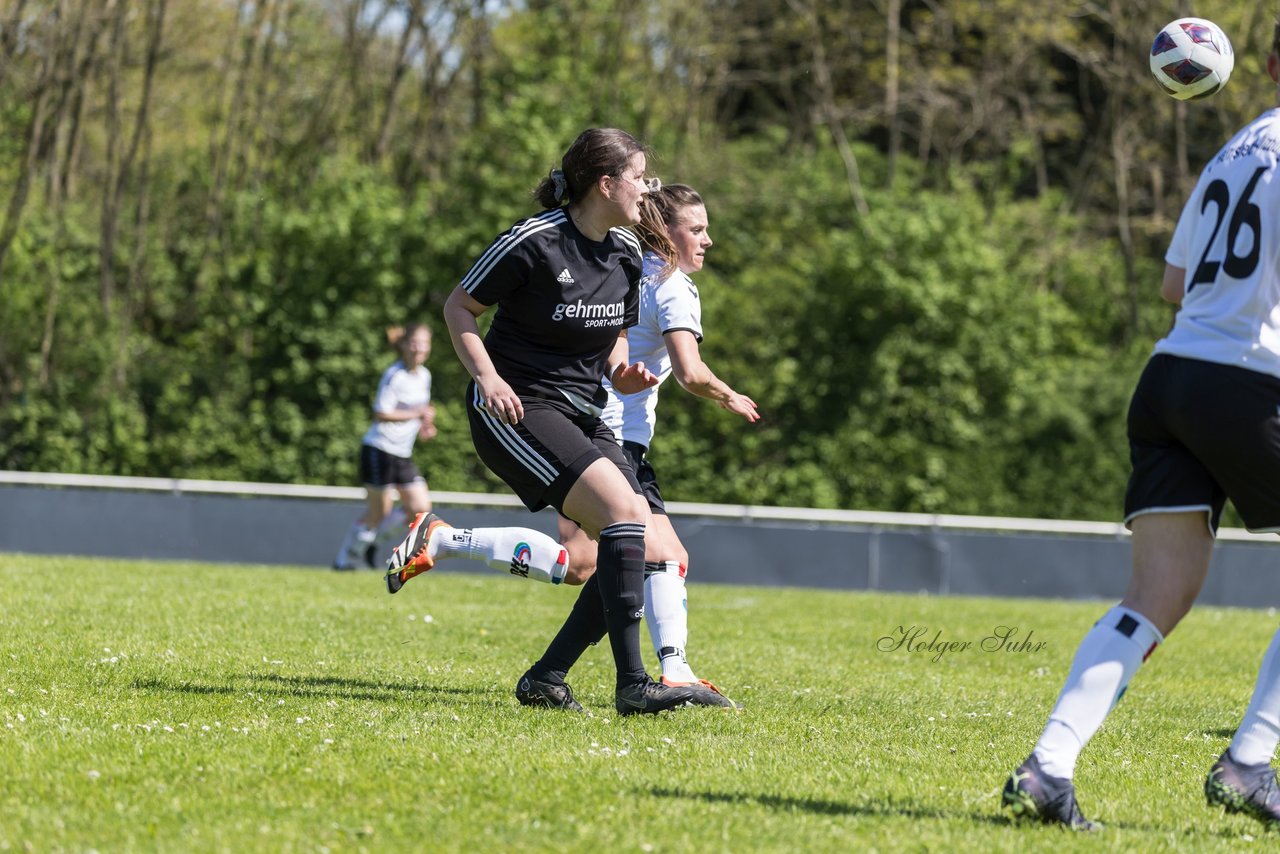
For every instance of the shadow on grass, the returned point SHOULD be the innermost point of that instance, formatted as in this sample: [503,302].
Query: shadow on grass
[900,808]
[887,808]
[333,687]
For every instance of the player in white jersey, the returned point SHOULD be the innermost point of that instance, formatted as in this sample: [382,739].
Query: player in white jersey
[402,413]
[666,340]
[1203,427]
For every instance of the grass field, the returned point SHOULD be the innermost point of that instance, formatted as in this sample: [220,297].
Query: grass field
[180,707]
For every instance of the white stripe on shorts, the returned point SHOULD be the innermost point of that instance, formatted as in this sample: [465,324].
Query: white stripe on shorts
[515,445]
[1190,508]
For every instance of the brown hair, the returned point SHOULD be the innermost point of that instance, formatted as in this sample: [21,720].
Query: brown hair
[397,335]
[596,152]
[671,199]
[659,212]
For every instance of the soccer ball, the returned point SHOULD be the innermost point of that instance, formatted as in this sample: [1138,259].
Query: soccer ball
[1192,58]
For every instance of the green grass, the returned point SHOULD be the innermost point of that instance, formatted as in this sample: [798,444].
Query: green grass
[184,707]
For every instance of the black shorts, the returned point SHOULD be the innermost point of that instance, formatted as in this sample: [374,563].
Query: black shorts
[645,474]
[543,455]
[1200,433]
[378,469]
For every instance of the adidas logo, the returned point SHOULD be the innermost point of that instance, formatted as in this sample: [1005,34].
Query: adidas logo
[564,278]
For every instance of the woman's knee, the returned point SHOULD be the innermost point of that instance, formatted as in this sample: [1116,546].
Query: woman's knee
[375,509]
[637,509]
[579,574]
[416,501]
[1163,598]
[667,553]
[625,507]
[602,497]
[1171,554]
[582,557]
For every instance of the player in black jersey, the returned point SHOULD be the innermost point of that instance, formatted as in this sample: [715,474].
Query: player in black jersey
[566,286]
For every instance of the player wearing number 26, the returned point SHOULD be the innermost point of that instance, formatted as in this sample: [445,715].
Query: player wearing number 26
[1204,426]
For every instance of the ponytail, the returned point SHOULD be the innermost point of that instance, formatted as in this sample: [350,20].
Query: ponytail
[652,231]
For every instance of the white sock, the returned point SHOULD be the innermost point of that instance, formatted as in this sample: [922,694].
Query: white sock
[1255,741]
[666,611]
[1106,660]
[354,543]
[394,525]
[523,552]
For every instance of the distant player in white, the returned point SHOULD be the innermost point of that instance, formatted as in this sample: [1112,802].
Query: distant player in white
[402,413]
[1204,426]
[666,341]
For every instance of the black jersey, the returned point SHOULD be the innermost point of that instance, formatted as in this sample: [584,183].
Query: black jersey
[562,301]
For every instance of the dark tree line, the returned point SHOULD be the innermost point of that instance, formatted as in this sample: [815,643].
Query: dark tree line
[940,226]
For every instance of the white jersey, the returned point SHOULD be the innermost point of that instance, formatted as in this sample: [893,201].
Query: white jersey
[666,305]
[399,389]
[1228,241]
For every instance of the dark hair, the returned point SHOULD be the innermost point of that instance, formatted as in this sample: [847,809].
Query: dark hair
[1275,37]
[596,152]
[397,335]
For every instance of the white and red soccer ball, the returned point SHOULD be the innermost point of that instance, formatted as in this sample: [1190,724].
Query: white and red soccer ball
[1192,58]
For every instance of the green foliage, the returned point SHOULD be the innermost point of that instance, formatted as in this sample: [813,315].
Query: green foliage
[936,355]
[299,341]
[967,345]
[933,356]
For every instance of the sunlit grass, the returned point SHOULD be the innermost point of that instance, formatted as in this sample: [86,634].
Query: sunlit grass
[180,707]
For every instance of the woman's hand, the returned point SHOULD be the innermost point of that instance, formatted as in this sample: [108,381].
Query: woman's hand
[427,429]
[740,404]
[629,379]
[460,313]
[500,400]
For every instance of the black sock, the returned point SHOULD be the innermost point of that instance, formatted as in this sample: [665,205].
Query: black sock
[620,568]
[584,626]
